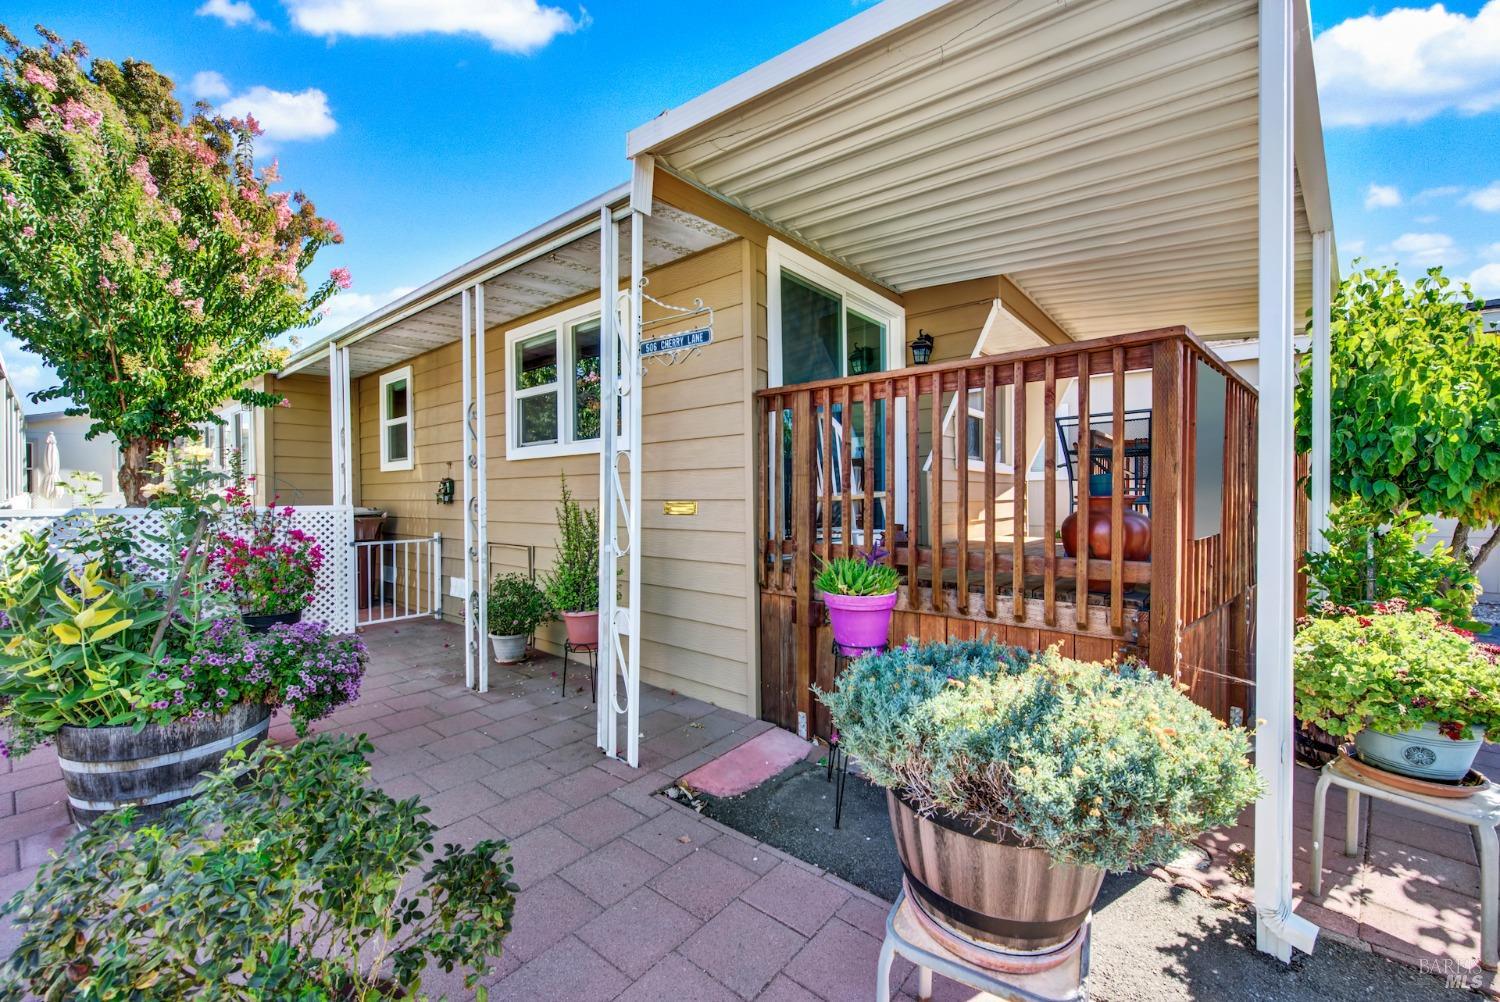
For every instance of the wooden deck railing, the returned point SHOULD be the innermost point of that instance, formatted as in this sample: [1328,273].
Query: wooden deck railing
[886,457]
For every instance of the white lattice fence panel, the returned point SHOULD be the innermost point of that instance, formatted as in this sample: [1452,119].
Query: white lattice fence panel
[332,601]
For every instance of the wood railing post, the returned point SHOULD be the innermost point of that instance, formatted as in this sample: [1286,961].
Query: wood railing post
[1167,444]
[802,540]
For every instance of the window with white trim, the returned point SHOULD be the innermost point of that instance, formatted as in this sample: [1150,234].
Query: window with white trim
[396,408]
[552,384]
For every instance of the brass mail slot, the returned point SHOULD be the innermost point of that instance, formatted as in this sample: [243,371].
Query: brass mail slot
[679,507]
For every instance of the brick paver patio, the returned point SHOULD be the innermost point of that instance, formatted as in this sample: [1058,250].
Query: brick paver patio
[625,895]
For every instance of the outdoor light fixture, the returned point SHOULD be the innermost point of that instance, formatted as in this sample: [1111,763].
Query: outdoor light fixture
[445,488]
[921,348]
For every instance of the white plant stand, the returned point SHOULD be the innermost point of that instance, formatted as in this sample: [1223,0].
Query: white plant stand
[905,935]
[1480,812]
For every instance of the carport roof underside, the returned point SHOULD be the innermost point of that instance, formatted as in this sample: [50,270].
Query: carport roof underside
[1103,155]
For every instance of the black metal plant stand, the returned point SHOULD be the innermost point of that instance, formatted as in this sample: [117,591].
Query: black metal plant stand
[838,759]
[592,650]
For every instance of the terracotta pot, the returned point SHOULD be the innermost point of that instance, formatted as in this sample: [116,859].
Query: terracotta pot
[980,890]
[861,623]
[1137,529]
[583,628]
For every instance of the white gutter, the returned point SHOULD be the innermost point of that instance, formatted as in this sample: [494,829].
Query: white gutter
[843,38]
[485,266]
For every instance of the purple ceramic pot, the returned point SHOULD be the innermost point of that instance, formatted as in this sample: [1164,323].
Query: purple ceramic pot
[861,623]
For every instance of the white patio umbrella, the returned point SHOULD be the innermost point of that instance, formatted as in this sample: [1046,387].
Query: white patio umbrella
[46,476]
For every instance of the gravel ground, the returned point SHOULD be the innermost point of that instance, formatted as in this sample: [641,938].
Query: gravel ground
[1152,942]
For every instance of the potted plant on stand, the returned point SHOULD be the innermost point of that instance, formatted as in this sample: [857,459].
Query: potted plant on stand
[573,585]
[267,564]
[860,593]
[1015,780]
[1415,694]
[517,607]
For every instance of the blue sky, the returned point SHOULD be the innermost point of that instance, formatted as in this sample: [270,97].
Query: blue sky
[432,130]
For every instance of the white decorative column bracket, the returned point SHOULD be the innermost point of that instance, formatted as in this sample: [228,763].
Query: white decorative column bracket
[1278,929]
[341,456]
[620,492]
[476,492]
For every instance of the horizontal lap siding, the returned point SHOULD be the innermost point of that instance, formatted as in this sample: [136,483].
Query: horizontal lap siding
[301,443]
[695,598]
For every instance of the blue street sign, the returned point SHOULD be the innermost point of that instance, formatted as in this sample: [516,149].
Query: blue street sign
[683,341]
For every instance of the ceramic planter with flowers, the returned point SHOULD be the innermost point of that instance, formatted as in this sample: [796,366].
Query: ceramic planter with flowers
[517,606]
[1415,695]
[1015,780]
[267,565]
[860,594]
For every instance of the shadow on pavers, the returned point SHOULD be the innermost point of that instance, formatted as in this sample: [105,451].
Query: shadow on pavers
[1153,942]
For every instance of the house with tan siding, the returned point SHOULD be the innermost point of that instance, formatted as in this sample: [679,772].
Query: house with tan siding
[878,182]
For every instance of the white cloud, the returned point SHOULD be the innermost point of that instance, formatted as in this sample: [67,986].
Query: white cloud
[1441,191]
[232,12]
[1382,196]
[1425,248]
[1486,280]
[28,373]
[508,25]
[348,306]
[208,85]
[284,115]
[1353,248]
[1409,64]
[1486,199]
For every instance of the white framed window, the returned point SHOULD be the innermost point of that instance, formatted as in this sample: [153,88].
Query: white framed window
[823,324]
[552,384]
[396,407]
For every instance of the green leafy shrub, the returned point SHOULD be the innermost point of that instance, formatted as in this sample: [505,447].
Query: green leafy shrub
[573,584]
[857,576]
[1097,765]
[1393,670]
[1368,562]
[517,606]
[289,883]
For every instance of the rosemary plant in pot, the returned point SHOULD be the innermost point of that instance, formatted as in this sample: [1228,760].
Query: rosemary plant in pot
[860,593]
[573,584]
[1416,695]
[1015,780]
[517,606]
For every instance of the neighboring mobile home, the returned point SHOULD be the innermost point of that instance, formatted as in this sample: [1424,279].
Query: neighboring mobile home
[1038,187]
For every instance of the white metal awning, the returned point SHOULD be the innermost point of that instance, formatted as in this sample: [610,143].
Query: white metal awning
[553,264]
[1101,154]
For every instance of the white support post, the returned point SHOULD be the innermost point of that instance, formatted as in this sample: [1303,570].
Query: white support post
[1321,499]
[476,492]
[1278,928]
[620,494]
[342,495]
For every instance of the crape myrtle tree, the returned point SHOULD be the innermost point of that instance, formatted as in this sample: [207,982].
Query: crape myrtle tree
[1415,405]
[142,253]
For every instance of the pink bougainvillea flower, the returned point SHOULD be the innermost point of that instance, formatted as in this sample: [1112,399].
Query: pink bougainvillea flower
[40,77]
[341,277]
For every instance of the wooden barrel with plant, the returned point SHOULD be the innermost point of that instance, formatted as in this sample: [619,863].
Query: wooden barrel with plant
[156,767]
[1016,780]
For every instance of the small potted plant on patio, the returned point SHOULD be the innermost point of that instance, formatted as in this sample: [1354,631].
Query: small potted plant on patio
[267,564]
[860,593]
[573,584]
[517,606]
[1015,780]
[1415,694]
[290,877]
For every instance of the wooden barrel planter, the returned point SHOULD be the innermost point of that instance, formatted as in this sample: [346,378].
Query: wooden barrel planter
[154,768]
[1001,905]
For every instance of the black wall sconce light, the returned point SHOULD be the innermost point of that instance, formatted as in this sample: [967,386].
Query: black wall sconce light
[445,488]
[921,348]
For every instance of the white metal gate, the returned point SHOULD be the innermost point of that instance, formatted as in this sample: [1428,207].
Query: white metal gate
[398,579]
